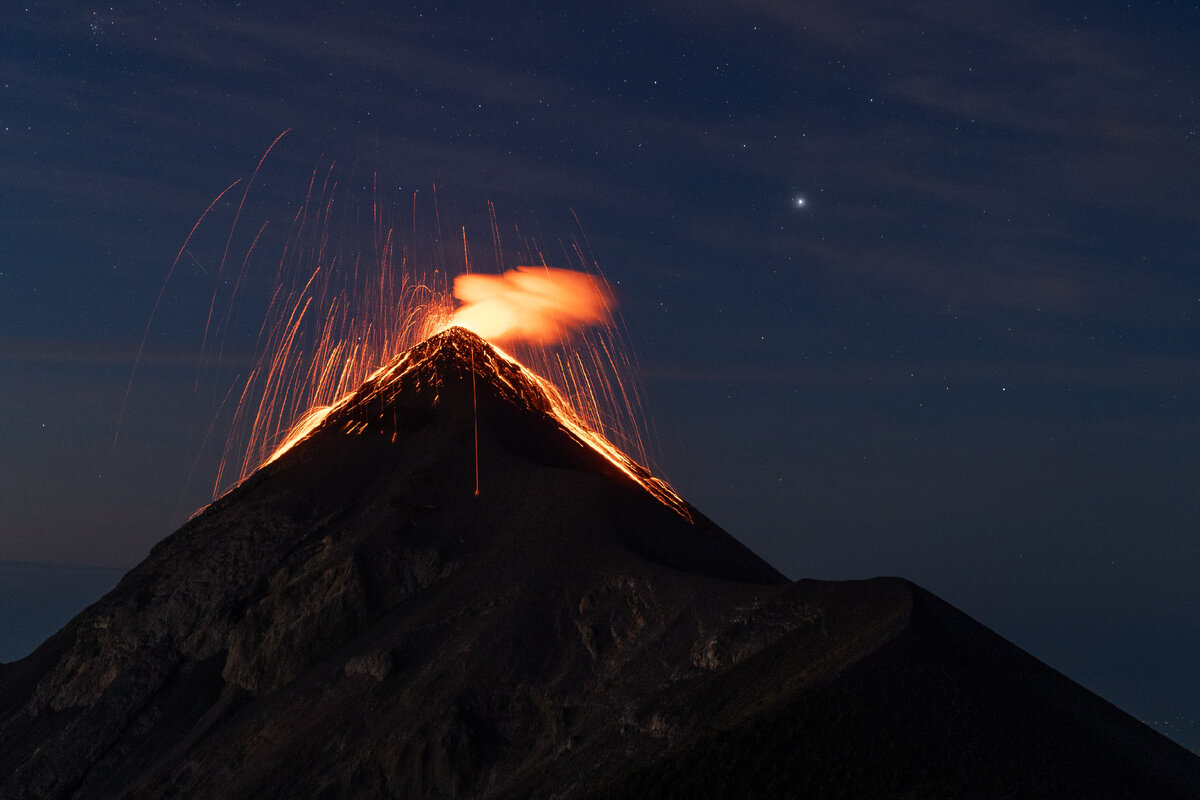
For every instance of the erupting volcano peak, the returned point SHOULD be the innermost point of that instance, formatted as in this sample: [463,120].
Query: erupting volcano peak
[457,368]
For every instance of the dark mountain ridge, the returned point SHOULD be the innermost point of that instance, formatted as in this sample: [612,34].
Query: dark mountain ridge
[354,621]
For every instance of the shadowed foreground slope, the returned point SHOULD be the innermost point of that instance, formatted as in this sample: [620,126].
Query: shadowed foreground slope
[353,621]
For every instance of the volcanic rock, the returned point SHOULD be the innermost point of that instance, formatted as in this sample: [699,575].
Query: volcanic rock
[355,621]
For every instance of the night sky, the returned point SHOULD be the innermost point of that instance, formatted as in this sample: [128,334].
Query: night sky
[914,290]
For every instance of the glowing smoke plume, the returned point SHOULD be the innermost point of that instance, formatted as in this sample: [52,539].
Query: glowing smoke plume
[536,305]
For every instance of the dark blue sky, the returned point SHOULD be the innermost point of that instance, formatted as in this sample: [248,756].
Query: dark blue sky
[972,358]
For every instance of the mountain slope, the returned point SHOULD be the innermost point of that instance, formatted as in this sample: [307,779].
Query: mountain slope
[355,621]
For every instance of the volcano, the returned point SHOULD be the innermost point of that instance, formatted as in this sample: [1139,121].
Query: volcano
[447,590]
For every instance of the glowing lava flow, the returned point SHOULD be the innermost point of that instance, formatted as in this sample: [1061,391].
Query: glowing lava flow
[564,413]
[318,352]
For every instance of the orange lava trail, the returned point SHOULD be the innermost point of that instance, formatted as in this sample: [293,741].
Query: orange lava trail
[228,241]
[475,409]
[158,300]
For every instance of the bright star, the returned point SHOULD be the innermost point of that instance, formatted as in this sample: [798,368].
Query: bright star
[800,202]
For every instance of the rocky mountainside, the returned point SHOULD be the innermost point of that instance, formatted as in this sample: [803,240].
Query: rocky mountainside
[355,621]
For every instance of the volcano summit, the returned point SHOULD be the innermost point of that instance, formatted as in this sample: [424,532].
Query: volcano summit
[355,620]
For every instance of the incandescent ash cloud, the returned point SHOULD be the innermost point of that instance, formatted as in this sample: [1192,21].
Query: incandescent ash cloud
[537,305]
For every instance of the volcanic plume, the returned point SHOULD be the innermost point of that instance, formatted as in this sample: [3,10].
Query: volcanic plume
[541,305]
[354,620]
